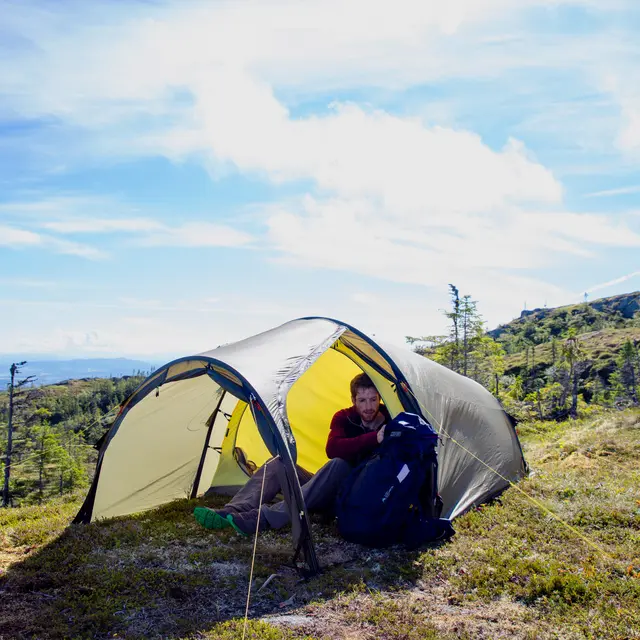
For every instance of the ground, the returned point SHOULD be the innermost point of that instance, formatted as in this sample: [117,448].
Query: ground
[556,557]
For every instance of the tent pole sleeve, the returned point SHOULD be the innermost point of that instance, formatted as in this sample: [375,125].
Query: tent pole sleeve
[300,526]
[86,511]
[290,487]
[212,421]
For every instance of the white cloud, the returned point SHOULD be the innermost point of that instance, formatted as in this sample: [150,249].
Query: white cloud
[72,215]
[23,239]
[343,40]
[579,228]
[11,237]
[160,328]
[196,234]
[76,249]
[488,256]
[354,235]
[367,299]
[416,201]
[53,206]
[412,169]
[125,71]
[393,198]
[622,191]
[155,233]
[617,76]
[104,225]
[408,201]
[629,138]
[139,327]
[611,283]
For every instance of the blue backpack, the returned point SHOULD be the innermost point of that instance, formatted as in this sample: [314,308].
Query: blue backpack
[392,497]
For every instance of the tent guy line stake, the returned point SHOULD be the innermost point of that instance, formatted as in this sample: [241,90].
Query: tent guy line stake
[253,556]
[537,503]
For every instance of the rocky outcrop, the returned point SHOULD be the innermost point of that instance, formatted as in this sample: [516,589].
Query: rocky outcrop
[627,304]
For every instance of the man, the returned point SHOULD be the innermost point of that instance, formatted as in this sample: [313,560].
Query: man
[354,434]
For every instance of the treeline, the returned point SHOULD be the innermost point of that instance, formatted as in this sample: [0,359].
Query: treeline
[50,447]
[552,366]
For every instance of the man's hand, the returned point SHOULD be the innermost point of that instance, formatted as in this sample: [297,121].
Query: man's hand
[381,434]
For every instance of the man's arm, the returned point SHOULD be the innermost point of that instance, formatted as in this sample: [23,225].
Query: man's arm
[341,446]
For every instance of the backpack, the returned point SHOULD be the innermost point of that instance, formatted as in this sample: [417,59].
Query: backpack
[393,496]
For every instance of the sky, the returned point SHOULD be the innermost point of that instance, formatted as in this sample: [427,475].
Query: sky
[179,175]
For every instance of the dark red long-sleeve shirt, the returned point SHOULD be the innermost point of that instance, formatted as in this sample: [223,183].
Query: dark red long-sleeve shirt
[348,439]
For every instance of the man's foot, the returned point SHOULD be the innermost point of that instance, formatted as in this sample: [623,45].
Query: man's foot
[247,522]
[210,519]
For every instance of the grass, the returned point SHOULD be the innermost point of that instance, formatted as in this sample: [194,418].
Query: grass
[512,571]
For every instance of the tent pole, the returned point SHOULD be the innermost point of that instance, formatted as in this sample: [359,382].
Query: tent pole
[212,421]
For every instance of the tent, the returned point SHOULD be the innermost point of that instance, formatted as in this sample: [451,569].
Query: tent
[198,422]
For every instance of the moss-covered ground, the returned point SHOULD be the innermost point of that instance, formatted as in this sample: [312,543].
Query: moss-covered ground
[512,570]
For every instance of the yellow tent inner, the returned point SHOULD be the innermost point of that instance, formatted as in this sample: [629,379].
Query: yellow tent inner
[311,403]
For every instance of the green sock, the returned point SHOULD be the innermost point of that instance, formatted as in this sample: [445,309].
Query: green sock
[209,519]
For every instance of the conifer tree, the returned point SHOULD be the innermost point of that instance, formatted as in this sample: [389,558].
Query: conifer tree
[624,380]
[454,335]
[574,355]
[471,325]
[15,393]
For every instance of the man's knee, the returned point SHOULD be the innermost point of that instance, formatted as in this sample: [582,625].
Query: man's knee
[338,466]
[273,463]
[275,470]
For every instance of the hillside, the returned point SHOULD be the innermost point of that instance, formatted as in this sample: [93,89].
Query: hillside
[540,325]
[555,360]
[511,571]
[600,350]
[548,363]
[55,428]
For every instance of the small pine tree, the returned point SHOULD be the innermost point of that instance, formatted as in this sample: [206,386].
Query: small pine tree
[624,380]
[471,328]
[48,454]
[455,317]
[574,356]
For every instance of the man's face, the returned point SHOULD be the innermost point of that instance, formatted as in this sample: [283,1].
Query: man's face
[367,403]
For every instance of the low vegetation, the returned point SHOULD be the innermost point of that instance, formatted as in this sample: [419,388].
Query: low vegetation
[548,363]
[513,570]
[54,432]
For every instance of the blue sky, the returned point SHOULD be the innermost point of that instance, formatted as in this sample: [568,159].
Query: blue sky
[174,176]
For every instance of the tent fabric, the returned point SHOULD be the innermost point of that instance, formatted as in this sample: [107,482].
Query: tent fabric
[472,423]
[156,461]
[186,426]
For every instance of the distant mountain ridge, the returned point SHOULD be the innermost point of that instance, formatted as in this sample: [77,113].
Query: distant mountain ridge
[53,371]
[616,309]
[625,303]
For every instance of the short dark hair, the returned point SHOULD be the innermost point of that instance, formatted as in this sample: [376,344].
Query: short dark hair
[361,381]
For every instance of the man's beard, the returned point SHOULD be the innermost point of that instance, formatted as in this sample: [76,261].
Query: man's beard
[370,417]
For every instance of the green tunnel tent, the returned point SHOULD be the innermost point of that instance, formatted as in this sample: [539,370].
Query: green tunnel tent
[201,422]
